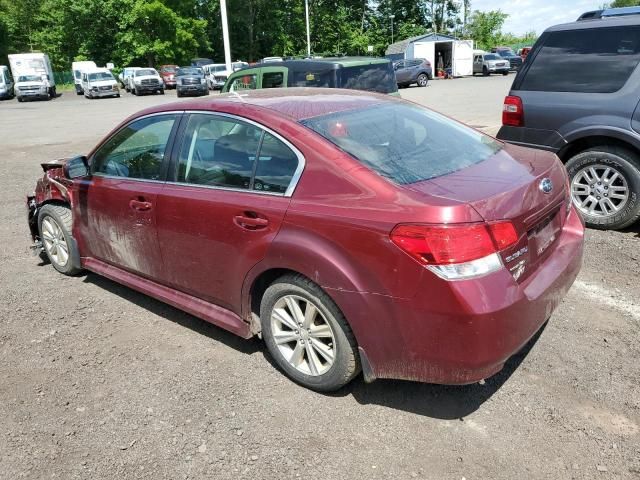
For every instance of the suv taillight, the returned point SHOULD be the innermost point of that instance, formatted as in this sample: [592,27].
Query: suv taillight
[513,112]
[456,252]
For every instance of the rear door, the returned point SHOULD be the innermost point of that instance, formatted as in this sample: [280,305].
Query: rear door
[230,192]
[116,209]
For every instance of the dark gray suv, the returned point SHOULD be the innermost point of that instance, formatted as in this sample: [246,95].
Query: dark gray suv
[578,95]
[417,70]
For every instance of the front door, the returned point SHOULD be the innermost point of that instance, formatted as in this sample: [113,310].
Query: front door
[230,194]
[116,206]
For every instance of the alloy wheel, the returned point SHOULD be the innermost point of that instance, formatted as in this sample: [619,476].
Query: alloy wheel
[54,242]
[302,335]
[599,190]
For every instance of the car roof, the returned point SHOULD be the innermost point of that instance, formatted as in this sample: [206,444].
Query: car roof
[622,21]
[318,62]
[294,103]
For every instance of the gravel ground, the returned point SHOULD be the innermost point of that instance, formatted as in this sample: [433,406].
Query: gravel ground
[100,382]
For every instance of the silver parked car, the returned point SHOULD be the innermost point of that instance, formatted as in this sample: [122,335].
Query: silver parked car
[488,63]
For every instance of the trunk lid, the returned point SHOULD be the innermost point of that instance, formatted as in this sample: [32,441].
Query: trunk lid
[509,186]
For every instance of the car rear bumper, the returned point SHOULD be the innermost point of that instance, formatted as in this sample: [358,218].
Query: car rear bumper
[541,139]
[461,332]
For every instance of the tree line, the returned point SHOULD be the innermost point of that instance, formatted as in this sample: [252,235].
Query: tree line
[153,32]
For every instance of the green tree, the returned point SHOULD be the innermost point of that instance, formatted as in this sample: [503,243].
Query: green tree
[486,27]
[625,3]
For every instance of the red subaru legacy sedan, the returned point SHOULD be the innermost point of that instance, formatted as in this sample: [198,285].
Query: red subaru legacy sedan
[351,231]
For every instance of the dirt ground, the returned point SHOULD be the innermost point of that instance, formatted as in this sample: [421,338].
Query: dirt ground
[100,382]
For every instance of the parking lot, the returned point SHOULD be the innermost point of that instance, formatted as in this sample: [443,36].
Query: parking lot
[99,381]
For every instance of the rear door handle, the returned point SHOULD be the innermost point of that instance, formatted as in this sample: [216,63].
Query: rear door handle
[250,223]
[140,206]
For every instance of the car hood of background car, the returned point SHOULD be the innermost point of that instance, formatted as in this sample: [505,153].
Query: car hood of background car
[504,185]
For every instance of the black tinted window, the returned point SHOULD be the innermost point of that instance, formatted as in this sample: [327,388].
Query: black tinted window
[276,166]
[596,60]
[405,143]
[218,151]
[272,80]
[136,151]
[312,78]
[375,78]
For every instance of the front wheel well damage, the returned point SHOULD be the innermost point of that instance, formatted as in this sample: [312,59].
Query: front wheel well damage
[34,210]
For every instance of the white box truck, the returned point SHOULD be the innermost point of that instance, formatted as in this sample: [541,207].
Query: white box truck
[32,75]
[78,69]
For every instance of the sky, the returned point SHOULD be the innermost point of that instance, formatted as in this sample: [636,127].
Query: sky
[527,15]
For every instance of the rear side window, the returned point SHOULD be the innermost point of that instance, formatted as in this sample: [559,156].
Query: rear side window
[374,78]
[272,80]
[405,143]
[596,60]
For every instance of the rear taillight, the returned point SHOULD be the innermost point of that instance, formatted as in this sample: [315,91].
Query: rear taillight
[513,112]
[456,252]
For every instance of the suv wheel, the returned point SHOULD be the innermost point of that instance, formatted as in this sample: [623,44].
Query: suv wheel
[423,79]
[485,71]
[307,335]
[605,186]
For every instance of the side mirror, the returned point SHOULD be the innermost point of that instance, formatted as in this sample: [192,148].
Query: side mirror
[76,167]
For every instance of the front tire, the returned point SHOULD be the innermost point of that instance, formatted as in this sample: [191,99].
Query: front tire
[605,186]
[54,225]
[485,72]
[307,335]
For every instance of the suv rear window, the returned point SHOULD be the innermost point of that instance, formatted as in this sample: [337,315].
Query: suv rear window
[598,60]
[404,143]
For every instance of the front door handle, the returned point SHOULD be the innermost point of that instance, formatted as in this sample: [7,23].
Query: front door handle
[140,206]
[250,222]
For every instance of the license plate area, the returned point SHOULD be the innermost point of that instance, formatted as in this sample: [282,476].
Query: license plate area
[544,235]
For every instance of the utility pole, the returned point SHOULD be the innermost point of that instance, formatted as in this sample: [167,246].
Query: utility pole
[306,13]
[392,17]
[225,35]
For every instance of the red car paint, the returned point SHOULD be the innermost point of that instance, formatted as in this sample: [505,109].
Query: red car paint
[168,74]
[188,249]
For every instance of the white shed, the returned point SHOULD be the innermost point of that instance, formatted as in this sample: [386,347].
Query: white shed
[438,49]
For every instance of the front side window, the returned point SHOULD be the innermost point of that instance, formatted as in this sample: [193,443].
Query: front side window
[245,82]
[405,143]
[137,150]
[598,60]
[218,151]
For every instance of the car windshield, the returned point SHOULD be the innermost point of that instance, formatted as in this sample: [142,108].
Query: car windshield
[29,78]
[169,69]
[379,78]
[145,71]
[96,77]
[506,53]
[491,57]
[403,142]
[189,71]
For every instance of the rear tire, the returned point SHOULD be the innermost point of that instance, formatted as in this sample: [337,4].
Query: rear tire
[608,199]
[329,358]
[54,225]
[423,80]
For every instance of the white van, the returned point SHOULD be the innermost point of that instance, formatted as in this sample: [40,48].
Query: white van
[33,75]
[78,69]
[6,83]
[99,82]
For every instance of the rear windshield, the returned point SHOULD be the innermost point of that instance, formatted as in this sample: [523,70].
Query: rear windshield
[374,78]
[598,60]
[403,142]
